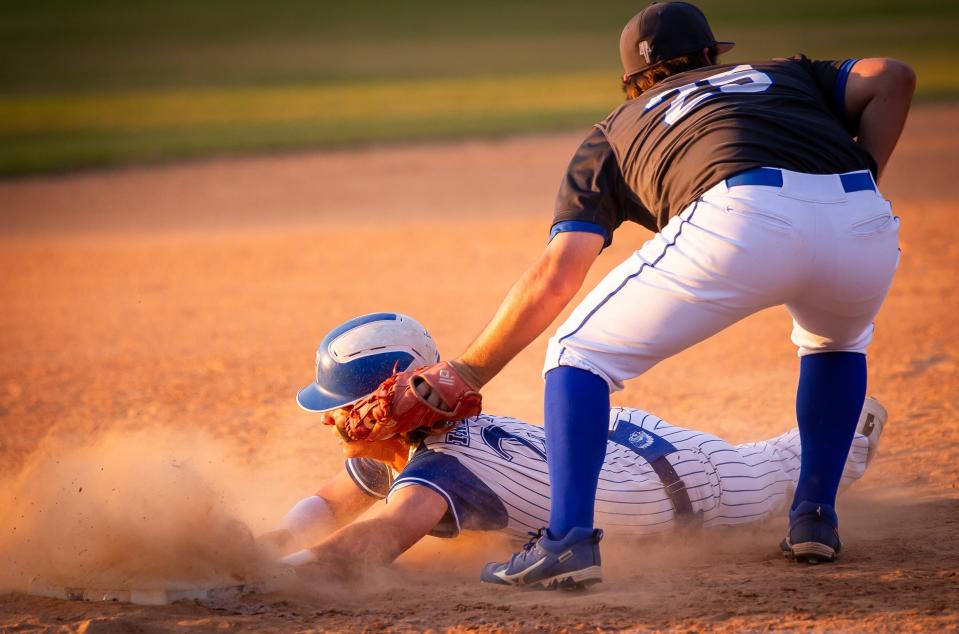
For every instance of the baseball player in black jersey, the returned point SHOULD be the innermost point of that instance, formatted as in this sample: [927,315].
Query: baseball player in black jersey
[759,180]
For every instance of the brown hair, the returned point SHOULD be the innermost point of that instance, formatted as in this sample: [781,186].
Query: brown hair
[637,84]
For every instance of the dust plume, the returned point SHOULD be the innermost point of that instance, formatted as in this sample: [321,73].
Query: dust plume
[160,506]
[129,509]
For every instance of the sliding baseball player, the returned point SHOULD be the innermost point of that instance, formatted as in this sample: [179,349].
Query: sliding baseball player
[489,473]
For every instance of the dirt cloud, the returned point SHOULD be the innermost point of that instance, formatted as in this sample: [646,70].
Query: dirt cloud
[130,509]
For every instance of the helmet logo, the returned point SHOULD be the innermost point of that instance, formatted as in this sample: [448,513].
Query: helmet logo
[645,51]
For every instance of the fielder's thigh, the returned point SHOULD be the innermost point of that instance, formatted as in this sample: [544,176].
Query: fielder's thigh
[708,268]
[857,257]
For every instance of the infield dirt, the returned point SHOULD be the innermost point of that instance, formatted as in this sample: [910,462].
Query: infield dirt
[157,322]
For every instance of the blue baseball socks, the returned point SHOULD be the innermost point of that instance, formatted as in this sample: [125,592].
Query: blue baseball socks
[577,426]
[832,387]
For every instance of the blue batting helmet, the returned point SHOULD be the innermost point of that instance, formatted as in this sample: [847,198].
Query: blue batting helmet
[358,355]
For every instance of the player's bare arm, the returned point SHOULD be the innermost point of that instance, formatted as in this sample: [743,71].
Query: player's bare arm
[448,391]
[878,94]
[346,502]
[412,513]
[337,502]
[531,305]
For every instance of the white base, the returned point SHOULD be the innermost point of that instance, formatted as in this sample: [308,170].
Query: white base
[139,596]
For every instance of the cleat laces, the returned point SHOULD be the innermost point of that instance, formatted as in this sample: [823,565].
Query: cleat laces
[534,537]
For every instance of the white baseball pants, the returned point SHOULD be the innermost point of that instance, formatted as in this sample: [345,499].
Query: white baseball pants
[828,255]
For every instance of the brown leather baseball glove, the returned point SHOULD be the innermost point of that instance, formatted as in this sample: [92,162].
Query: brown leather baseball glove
[433,398]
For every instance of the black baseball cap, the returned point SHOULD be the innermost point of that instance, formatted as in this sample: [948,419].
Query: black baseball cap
[663,31]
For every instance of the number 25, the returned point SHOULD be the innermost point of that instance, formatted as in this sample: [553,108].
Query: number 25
[742,78]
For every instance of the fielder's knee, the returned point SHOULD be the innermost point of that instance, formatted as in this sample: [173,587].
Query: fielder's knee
[564,355]
[811,343]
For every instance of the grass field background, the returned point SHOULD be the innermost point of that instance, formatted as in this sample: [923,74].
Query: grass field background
[108,82]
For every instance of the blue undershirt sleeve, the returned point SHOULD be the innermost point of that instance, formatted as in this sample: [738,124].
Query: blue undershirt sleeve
[579,225]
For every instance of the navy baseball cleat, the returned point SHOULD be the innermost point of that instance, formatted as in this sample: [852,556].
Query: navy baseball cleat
[813,534]
[571,562]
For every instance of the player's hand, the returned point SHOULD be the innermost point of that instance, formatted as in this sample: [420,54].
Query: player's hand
[275,543]
[321,569]
[394,451]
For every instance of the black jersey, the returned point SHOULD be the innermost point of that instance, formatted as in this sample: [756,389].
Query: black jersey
[654,155]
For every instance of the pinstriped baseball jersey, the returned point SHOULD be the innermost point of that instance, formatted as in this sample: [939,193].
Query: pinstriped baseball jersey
[492,472]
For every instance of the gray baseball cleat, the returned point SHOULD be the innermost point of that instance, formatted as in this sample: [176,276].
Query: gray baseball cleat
[569,563]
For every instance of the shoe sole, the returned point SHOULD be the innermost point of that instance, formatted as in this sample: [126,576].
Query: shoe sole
[809,552]
[576,580]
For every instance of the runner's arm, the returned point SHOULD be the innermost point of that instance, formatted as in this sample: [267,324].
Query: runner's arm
[337,502]
[412,513]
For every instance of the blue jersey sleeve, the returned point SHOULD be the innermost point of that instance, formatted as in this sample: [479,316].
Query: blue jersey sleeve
[471,504]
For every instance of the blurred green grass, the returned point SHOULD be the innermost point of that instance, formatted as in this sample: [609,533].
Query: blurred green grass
[108,82]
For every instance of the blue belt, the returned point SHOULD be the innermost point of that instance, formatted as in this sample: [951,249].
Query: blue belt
[772,177]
